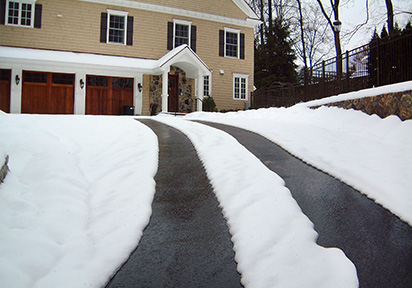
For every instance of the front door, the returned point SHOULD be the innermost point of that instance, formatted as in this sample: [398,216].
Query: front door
[173,103]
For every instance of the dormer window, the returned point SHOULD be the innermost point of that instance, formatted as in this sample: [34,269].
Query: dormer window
[20,13]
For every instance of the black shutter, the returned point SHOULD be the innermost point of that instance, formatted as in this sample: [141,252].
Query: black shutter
[242,46]
[193,38]
[221,43]
[129,39]
[103,28]
[2,11]
[169,35]
[37,15]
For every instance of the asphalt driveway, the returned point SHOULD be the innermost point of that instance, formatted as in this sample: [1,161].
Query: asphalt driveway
[374,239]
[187,242]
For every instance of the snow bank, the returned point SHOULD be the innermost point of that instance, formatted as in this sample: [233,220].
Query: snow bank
[371,154]
[274,242]
[76,199]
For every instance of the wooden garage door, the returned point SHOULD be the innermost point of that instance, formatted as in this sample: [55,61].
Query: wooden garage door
[5,77]
[47,93]
[108,95]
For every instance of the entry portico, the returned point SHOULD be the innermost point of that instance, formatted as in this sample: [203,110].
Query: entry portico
[186,59]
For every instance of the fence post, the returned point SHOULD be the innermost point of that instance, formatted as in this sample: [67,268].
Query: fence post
[347,71]
[323,78]
[377,64]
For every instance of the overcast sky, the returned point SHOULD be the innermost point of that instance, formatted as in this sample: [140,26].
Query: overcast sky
[353,12]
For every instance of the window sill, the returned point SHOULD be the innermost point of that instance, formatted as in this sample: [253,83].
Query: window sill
[16,25]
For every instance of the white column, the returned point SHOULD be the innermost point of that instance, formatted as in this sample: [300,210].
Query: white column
[80,94]
[199,98]
[165,91]
[16,90]
[138,96]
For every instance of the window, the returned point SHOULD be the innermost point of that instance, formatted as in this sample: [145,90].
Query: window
[240,83]
[181,32]
[231,43]
[206,86]
[20,13]
[117,27]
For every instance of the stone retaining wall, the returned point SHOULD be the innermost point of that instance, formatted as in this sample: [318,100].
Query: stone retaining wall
[399,104]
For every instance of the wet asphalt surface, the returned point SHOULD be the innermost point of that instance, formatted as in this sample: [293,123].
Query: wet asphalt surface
[187,242]
[374,239]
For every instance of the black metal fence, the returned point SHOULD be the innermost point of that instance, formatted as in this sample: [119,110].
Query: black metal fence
[379,63]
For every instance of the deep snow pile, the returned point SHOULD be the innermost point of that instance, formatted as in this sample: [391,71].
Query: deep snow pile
[274,242]
[76,199]
[371,154]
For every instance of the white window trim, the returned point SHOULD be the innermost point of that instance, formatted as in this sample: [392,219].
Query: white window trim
[117,13]
[241,76]
[182,22]
[236,31]
[32,2]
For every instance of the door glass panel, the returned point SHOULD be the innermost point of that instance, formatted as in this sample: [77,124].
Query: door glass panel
[97,81]
[63,79]
[122,83]
[5,75]
[35,77]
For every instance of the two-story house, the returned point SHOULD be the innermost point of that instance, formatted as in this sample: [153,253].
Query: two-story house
[104,56]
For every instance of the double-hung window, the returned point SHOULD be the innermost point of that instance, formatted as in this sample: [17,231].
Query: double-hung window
[117,27]
[240,84]
[20,13]
[232,40]
[231,43]
[181,32]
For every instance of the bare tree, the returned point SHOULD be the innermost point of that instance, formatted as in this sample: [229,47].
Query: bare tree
[311,35]
[389,8]
[302,36]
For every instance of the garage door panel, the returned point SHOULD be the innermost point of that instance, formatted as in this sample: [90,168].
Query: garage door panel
[122,97]
[34,99]
[62,99]
[97,102]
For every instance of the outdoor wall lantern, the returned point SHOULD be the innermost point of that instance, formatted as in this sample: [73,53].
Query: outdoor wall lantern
[140,87]
[338,25]
[17,79]
[81,83]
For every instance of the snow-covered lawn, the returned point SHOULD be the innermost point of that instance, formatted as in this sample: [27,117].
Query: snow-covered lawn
[80,188]
[76,199]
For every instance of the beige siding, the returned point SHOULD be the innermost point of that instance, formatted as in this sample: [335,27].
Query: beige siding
[216,7]
[78,29]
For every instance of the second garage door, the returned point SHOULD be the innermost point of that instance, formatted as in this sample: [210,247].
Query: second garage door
[108,95]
